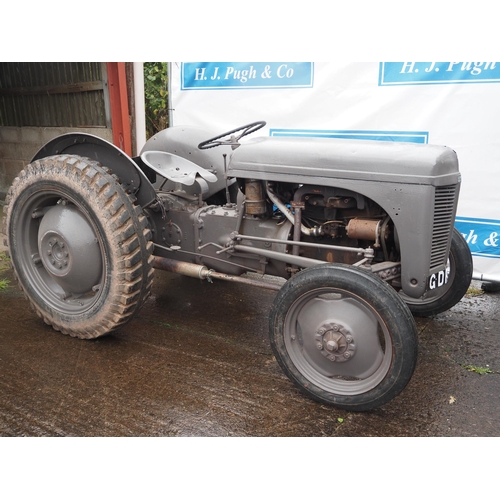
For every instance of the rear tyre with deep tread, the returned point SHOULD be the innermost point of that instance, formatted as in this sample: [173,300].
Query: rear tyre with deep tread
[80,246]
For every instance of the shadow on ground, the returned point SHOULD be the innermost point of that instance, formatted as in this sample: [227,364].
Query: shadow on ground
[197,362]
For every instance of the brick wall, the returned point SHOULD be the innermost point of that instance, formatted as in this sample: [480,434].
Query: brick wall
[19,144]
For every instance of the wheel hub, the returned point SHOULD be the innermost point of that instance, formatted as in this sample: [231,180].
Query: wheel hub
[69,249]
[55,255]
[335,342]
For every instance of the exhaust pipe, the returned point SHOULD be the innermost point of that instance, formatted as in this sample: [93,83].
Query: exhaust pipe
[202,272]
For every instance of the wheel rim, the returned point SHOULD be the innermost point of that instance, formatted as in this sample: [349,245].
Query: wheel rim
[60,252]
[337,341]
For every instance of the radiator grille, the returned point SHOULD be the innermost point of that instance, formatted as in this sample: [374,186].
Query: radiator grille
[444,215]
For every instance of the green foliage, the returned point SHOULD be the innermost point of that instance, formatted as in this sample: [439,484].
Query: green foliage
[478,369]
[4,262]
[156,95]
[474,292]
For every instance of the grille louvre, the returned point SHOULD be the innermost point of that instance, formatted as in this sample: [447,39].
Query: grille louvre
[444,212]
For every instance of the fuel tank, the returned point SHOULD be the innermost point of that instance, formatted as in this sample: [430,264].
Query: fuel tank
[291,159]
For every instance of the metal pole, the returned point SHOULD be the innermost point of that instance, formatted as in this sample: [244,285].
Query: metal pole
[140,107]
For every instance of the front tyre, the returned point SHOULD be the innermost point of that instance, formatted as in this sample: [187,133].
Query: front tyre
[79,245]
[343,336]
[460,268]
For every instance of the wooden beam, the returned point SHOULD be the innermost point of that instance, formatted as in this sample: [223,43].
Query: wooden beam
[118,98]
[68,88]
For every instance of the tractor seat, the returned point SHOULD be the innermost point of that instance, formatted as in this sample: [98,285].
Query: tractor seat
[175,168]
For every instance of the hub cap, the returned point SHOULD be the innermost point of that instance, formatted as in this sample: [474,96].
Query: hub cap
[338,341]
[69,249]
[335,342]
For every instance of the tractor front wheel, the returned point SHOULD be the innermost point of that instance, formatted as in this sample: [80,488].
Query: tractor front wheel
[343,336]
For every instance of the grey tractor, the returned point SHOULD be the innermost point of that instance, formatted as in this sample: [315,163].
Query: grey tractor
[360,234]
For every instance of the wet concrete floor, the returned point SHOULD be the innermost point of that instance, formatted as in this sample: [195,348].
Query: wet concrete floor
[196,361]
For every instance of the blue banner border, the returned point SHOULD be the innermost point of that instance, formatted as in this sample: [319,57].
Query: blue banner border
[184,87]
[408,82]
[418,137]
[471,221]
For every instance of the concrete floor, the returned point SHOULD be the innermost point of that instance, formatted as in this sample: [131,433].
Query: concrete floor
[196,361]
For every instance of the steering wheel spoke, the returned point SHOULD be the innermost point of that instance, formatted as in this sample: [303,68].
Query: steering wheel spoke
[229,138]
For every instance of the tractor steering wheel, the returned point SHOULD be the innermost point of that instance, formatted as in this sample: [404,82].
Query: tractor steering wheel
[228,139]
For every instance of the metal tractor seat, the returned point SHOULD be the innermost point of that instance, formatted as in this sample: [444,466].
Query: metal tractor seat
[177,169]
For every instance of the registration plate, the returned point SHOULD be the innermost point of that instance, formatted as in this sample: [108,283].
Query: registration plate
[438,280]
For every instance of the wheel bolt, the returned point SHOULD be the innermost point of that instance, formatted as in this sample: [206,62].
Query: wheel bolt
[319,346]
[331,345]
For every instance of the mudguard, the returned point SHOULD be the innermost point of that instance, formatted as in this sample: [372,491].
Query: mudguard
[95,148]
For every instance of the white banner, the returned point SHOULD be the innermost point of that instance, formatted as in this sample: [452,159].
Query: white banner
[456,104]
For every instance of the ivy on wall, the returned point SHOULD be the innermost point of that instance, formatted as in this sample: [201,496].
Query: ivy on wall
[156,96]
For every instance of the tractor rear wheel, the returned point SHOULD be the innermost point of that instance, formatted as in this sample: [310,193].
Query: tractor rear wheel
[79,245]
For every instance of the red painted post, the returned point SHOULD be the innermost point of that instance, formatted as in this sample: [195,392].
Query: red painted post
[118,99]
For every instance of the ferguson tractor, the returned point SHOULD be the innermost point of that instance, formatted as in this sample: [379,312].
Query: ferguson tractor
[361,234]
